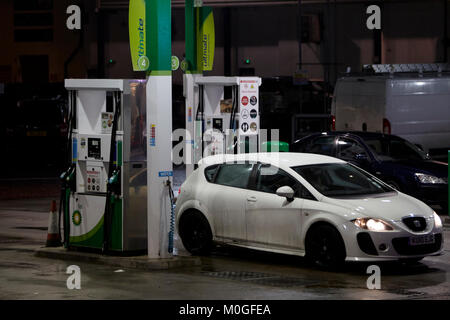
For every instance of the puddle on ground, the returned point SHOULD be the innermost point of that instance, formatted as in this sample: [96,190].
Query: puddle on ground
[260,278]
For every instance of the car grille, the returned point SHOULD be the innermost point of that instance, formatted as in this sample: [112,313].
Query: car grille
[401,245]
[415,223]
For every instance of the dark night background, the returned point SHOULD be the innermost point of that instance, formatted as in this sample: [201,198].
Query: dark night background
[253,37]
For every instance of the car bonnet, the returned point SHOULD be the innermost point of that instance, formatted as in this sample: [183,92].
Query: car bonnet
[392,206]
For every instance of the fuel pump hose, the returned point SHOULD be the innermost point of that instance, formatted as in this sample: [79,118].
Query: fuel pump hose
[111,170]
[172,217]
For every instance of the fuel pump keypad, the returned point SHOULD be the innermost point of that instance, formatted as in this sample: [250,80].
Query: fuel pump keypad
[93,179]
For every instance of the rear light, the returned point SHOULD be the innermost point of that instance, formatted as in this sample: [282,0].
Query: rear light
[333,123]
[177,196]
[386,126]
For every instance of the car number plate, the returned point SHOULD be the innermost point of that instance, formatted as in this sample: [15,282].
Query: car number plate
[415,241]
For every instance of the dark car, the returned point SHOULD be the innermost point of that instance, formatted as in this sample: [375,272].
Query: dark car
[394,160]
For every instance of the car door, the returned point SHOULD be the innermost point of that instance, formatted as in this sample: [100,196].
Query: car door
[272,220]
[228,198]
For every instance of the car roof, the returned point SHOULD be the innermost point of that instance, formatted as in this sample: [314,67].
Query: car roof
[361,134]
[279,159]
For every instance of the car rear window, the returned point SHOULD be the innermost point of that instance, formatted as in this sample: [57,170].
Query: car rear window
[234,175]
[210,172]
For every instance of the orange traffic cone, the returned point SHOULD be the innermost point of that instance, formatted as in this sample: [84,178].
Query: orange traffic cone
[53,236]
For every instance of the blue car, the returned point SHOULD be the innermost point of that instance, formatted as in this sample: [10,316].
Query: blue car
[396,161]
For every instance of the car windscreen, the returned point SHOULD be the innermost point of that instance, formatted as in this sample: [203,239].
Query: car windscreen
[341,180]
[392,148]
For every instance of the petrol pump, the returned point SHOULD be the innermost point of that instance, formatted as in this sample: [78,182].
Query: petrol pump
[222,113]
[218,124]
[117,193]
[105,205]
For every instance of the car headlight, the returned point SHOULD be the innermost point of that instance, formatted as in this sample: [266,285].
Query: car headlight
[437,220]
[372,224]
[429,179]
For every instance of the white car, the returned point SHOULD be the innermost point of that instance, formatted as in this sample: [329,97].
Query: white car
[303,204]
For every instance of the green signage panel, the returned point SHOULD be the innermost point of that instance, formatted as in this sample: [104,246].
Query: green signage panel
[206,39]
[190,36]
[159,35]
[137,29]
[149,24]
[200,37]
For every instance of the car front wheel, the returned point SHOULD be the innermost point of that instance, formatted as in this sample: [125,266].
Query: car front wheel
[325,247]
[195,233]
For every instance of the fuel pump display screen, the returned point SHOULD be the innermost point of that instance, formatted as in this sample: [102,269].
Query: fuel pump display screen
[218,124]
[94,148]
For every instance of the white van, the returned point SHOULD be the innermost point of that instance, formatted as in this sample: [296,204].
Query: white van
[413,107]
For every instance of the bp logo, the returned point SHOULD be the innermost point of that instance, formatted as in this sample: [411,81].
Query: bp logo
[76,218]
[175,63]
[184,65]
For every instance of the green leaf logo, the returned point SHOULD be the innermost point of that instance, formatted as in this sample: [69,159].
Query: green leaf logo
[76,218]
[175,63]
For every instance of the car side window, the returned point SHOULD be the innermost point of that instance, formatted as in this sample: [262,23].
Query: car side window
[349,148]
[323,145]
[270,178]
[234,175]
[210,172]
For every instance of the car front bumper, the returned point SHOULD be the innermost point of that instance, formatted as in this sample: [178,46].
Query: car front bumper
[364,245]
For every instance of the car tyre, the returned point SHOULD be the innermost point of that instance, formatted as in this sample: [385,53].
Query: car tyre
[196,233]
[325,247]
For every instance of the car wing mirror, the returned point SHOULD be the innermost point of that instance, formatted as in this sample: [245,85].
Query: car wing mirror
[286,192]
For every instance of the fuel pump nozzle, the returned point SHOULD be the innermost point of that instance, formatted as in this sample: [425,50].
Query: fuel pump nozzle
[114,192]
[67,177]
[68,185]
[114,182]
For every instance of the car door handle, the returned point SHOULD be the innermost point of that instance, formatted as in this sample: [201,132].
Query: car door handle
[251,199]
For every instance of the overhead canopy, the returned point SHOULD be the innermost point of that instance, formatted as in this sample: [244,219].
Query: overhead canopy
[123,4]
